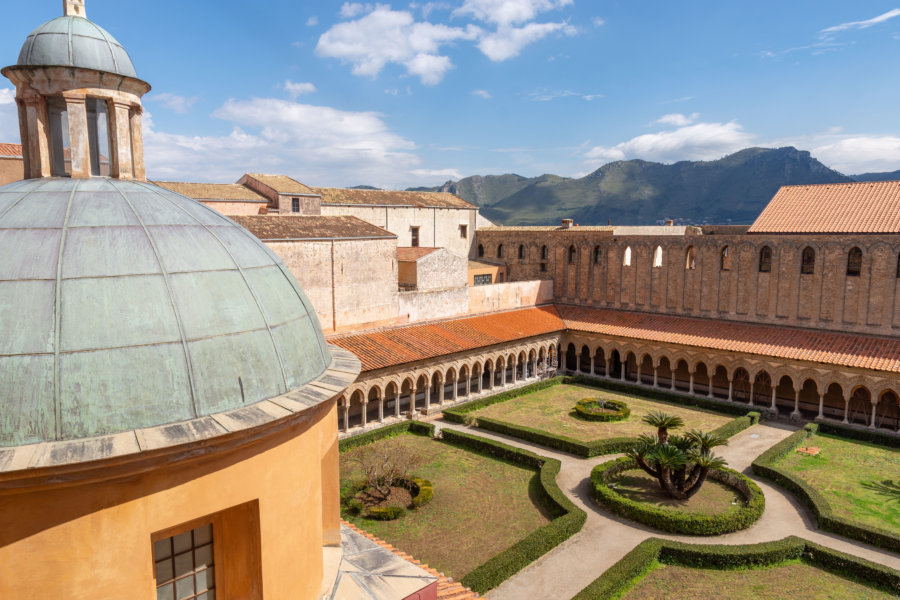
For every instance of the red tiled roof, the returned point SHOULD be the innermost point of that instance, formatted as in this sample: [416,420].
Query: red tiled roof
[410,343]
[408,254]
[11,150]
[447,588]
[825,347]
[867,207]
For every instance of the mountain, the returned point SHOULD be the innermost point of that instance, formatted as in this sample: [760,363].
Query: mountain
[892,176]
[733,189]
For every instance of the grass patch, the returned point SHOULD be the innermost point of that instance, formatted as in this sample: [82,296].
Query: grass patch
[859,480]
[481,507]
[714,498]
[552,410]
[794,580]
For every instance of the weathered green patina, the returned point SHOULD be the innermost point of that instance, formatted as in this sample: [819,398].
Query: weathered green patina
[124,305]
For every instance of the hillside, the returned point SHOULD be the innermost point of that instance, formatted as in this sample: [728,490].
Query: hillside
[733,189]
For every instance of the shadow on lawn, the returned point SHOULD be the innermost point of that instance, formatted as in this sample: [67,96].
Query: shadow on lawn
[887,488]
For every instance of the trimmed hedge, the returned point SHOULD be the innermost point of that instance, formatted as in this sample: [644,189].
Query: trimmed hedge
[583,409]
[595,447]
[765,466]
[385,513]
[568,518]
[873,436]
[619,578]
[424,492]
[416,427]
[674,520]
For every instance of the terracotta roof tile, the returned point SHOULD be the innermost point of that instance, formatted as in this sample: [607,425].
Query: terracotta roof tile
[391,198]
[276,227]
[407,254]
[11,150]
[213,191]
[849,350]
[867,207]
[410,343]
[282,183]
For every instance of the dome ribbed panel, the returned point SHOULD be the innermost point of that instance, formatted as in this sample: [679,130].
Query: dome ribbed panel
[124,305]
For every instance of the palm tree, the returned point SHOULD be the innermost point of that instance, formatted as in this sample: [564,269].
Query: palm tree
[663,422]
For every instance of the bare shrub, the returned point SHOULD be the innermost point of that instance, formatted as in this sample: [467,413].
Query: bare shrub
[386,463]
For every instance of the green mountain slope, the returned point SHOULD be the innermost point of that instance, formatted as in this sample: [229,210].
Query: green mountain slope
[892,176]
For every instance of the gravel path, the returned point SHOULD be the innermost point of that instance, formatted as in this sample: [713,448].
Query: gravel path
[605,538]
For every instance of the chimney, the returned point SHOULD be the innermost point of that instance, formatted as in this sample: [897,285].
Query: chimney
[670,222]
[566,223]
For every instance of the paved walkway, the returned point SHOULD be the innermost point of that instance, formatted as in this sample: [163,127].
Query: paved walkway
[605,537]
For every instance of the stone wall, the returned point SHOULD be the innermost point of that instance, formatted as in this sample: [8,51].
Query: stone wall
[722,278]
[433,304]
[508,296]
[441,269]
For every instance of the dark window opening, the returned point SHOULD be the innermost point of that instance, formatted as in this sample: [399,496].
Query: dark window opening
[765,260]
[295,205]
[544,268]
[97,113]
[500,251]
[573,253]
[60,165]
[482,279]
[480,251]
[521,251]
[808,261]
[598,254]
[544,253]
[854,262]
[464,231]
[414,242]
[183,565]
[690,258]
[725,263]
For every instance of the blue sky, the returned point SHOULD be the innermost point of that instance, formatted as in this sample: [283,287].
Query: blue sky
[403,94]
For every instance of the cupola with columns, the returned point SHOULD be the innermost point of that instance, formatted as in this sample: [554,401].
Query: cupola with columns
[79,101]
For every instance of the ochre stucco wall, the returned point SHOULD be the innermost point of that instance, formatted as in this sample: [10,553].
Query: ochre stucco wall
[11,169]
[93,540]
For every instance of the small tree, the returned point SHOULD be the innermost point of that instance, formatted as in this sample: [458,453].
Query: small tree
[679,463]
[386,463]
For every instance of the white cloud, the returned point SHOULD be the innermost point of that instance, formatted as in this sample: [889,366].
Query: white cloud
[677,119]
[444,174]
[545,95]
[849,153]
[482,94]
[508,12]
[598,21]
[508,41]
[862,24]
[354,9]
[699,141]
[297,89]
[312,21]
[174,102]
[9,116]
[386,36]
[316,144]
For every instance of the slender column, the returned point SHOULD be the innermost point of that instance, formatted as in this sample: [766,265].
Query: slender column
[346,417]
[468,384]
[655,377]
[638,379]
[365,411]
[562,360]
[491,374]
[874,406]
[592,364]
[624,364]
[122,166]
[796,412]
[137,142]
[380,407]
[846,408]
[36,134]
[691,390]
[578,362]
[730,390]
[671,379]
[515,367]
[773,399]
[752,385]
[709,390]
[427,396]
[821,405]
[412,401]
[79,152]
[503,376]
[441,393]
[397,403]
[455,395]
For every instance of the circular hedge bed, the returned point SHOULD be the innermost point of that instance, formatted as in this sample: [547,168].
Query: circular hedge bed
[598,409]
[421,492]
[673,519]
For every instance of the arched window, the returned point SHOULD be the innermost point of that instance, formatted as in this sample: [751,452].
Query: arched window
[521,251]
[808,261]
[854,262]
[626,259]
[725,259]
[657,257]
[598,254]
[765,260]
[572,254]
[690,258]
[543,252]
[500,251]
[480,251]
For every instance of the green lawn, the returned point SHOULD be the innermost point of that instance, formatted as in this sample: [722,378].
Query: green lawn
[553,410]
[481,507]
[861,481]
[796,581]
[714,498]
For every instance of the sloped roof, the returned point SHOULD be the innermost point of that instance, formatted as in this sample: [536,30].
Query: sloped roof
[410,343]
[11,150]
[391,198]
[867,207]
[849,350]
[408,254]
[282,183]
[213,191]
[277,227]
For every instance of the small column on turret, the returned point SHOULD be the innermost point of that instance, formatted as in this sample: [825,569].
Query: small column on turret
[74,8]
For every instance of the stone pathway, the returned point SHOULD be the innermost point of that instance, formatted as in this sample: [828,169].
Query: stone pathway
[605,537]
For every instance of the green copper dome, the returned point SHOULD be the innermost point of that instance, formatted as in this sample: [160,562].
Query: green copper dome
[124,305]
[75,42]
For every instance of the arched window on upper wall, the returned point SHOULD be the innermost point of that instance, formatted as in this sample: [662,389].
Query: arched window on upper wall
[544,253]
[480,251]
[500,251]
[598,255]
[573,253]
[854,262]
[765,260]
[725,259]
[690,258]
[626,259]
[657,257]
[808,261]
[521,251]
